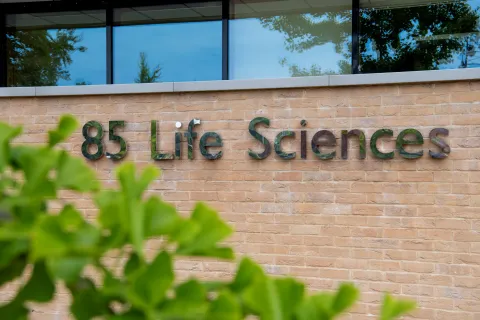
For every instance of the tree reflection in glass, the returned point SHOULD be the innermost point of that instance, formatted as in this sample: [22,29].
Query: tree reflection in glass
[394,36]
[291,38]
[50,49]
[429,36]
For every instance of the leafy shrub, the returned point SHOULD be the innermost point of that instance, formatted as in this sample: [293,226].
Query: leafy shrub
[60,246]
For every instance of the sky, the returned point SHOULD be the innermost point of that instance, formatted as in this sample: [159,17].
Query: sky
[185,51]
[89,66]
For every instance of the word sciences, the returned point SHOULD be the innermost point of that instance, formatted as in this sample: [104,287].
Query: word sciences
[322,139]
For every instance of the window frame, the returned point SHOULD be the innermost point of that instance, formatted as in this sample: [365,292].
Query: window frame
[221,21]
[42,7]
[110,5]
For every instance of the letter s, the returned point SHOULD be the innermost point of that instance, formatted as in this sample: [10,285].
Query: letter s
[259,137]
[439,142]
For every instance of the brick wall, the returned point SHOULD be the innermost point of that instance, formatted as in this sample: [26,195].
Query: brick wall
[410,227]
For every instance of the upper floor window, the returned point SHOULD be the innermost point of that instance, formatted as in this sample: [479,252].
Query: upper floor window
[194,40]
[168,43]
[56,49]
[408,35]
[290,38]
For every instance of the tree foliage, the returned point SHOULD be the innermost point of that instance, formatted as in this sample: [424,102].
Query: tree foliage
[391,39]
[145,73]
[61,246]
[40,57]
[314,69]
[303,32]
[416,38]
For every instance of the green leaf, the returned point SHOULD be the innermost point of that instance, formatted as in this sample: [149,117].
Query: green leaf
[68,269]
[136,219]
[225,307]
[15,231]
[85,240]
[70,219]
[133,264]
[274,299]
[114,288]
[247,272]
[190,302]
[15,311]
[160,218]
[7,183]
[64,235]
[132,207]
[13,270]
[39,288]
[67,125]
[130,315]
[392,309]
[127,177]
[11,250]
[115,238]
[38,183]
[49,240]
[212,231]
[110,209]
[149,174]
[345,297]
[291,293]
[185,232]
[191,291]
[327,306]
[149,285]
[208,219]
[316,307]
[7,133]
[215,286]
[24,210]
[88,302]
[74,174]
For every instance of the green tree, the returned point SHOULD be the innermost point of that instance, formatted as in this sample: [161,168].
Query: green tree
[145,73]
[415,38]
[40,57]
[313,70]
[83,83]
[470,53]
[391,39]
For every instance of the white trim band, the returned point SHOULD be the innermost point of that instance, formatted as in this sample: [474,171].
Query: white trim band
[253,84]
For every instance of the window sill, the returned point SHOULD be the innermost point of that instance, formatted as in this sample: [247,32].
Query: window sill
[254,84]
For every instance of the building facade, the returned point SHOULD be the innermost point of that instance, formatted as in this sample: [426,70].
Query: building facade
[349,131]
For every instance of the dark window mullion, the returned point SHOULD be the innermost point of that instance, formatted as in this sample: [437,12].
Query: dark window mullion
[355,36]
[3,49]
[225,38]
[109,40]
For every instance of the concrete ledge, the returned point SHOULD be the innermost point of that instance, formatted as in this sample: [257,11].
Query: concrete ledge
[405,77]
[254,84]
[17,92]
[104,89]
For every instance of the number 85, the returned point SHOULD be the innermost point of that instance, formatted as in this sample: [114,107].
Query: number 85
[97,140]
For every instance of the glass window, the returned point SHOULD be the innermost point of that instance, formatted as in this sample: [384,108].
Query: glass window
[290,38]
[56,49]
[407,35]
[168,43]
